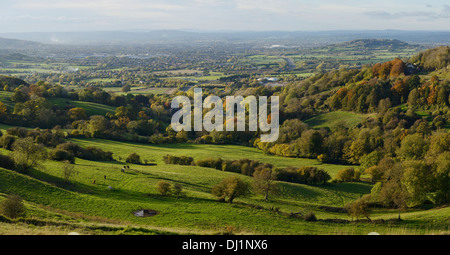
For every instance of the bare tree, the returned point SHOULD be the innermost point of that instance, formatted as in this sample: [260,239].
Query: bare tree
[68,171]
[264,181]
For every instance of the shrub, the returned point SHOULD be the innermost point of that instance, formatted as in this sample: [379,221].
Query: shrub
[47,137]
[177,190]
[133,158]
[7,162]
[231,188]
[359,208]
[178,160]
[313,175]
[74,148]
[211,163]
[27,154]
[6,141]
[323,158]
[375,172]
[13,207]
[17,131]
[98,154]
[304,175]
[231,166]
[89,153]
[163,187]
[309,216]
[347,175]
[61,155]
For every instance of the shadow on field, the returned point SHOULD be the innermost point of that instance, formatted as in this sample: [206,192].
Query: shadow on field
[60,183]
[350,187]
[201,188]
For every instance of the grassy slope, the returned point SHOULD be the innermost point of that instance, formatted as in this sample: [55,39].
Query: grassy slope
[5,98]
[350,119]
[91,108]
[154,153]
[199,211]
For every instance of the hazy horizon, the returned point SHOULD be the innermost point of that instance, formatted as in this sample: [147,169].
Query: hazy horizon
[201,31]
[24,16]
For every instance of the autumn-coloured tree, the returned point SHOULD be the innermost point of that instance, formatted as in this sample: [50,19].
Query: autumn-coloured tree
[400,89]
[3,110]
[385,70]
[376,69]
[77,113]
[398,67]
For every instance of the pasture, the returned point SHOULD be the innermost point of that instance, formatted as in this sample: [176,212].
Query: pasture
[329,120]
[88,207]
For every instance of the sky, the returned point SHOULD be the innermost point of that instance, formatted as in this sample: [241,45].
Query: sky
[227,15]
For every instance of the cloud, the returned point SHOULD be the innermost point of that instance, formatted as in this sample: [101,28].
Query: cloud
[100,5]
[50,15]
[269,6]
[444,13]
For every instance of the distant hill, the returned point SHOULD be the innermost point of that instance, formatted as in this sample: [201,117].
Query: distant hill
[294,38]
[17,44]
[376,44]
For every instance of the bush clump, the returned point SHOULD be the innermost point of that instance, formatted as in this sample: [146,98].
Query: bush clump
[178,160]
[230,188]
[348,175]
[304,175]
[61,155]
[88,153]
[165,188]
[309,216]
[7,162]
[134,158]
[6,142]
[13,207]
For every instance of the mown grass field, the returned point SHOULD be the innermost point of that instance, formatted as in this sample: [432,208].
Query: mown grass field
[95,209]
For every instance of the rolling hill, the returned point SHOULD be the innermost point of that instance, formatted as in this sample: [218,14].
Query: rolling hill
[12,44]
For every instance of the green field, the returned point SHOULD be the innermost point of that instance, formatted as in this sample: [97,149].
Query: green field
[95,209]
[212,76]
[91,108]
[142,90]
[263,61]
[328,120]
[5,98]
